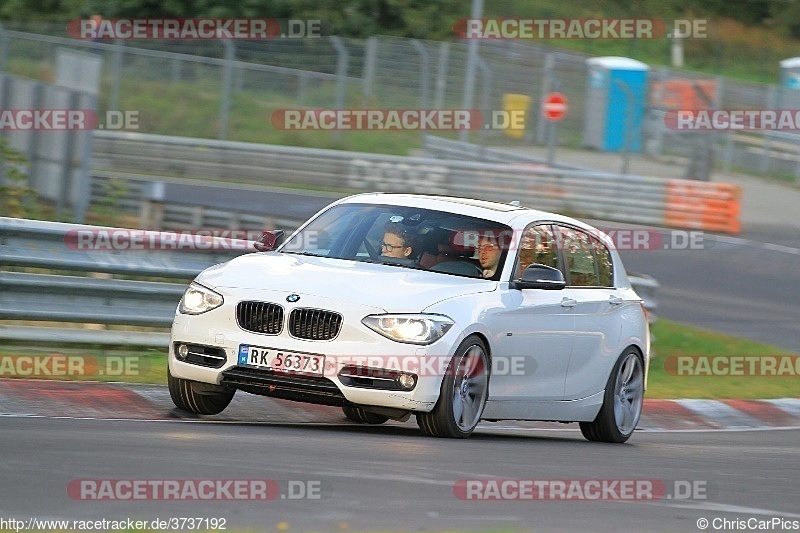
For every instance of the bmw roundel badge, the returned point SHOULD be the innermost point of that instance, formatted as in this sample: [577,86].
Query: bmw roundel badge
[292,298]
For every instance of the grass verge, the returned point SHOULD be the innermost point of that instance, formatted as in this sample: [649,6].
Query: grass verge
[673,340]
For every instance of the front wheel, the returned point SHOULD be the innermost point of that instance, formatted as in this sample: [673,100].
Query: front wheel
[186,398]
[463,394]
[622,403]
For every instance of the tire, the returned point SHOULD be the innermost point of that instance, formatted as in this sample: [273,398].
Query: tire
[358,414]
[187,399]
[622,403]
[463,394]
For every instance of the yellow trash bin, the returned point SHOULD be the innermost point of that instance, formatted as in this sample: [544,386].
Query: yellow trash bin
[516,107]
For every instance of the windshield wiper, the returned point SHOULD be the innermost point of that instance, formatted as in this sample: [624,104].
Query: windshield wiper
[303,253]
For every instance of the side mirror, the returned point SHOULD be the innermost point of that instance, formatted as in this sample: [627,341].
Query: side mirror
[540,277]
[269,240]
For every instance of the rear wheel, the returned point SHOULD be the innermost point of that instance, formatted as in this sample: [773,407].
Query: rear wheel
[622,404]
[358,414]
[463,394]
[186,396]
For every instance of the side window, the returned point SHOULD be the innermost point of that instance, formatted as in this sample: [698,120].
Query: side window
[605,268]
[578,251]
[538,245]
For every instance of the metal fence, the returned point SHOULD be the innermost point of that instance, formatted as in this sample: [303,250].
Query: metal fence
[243,81]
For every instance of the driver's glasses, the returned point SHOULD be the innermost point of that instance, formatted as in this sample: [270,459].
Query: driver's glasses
[390,247]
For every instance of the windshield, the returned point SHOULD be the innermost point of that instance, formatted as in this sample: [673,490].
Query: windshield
[406,237]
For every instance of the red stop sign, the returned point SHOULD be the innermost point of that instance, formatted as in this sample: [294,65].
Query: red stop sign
[554,106]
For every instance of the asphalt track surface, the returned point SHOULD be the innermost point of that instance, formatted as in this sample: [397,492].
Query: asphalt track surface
[392,478]
[747,286]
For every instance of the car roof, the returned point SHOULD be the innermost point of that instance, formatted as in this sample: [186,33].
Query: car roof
[490,210]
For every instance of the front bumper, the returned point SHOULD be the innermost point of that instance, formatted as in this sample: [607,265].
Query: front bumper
[356,345]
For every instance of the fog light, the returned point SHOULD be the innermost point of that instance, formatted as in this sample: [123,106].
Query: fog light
[183,351]
[407,381]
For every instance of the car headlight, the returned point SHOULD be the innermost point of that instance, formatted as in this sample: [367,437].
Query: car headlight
[198,299]
[413,329]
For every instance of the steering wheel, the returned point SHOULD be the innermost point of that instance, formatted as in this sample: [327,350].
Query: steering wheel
[373,253]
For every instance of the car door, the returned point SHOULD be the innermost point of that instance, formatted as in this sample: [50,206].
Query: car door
[534,329]
[597,314]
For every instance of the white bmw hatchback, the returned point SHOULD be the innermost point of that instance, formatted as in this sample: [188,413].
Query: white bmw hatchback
[450,309]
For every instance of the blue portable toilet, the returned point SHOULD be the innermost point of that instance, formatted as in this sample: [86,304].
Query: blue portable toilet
[616,98]
[789,89]
[790,73]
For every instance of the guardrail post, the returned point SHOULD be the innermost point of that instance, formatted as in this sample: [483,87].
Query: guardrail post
[368,73]
[227,81]
[424,72]
[152,209]
[116,74]
[197,216]
[341,76]
[547,77]
[626,145]
[33,140]
[5,98]
[472,60]
[441,74]
[766,137]
[486,91]
[3,49]
[727,158]
[176,70]
[66,163]
[341,71]
[84,180]
[797,171]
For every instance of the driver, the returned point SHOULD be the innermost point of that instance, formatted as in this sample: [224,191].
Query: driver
[397,242]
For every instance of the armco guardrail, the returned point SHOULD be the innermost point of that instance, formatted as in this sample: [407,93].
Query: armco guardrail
[92,300]
[626,198]
[98,251]
[442,148]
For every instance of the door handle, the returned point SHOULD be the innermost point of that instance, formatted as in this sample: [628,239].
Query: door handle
[614,300]
[568,302]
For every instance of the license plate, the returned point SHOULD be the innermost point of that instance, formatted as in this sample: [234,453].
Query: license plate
[281,360]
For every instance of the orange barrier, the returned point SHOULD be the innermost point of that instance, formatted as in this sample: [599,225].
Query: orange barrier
[703,205]
[683,94]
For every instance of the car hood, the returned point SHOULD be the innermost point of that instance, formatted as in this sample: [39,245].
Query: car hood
[392,288]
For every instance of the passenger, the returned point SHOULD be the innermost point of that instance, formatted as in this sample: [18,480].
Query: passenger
[489,253]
